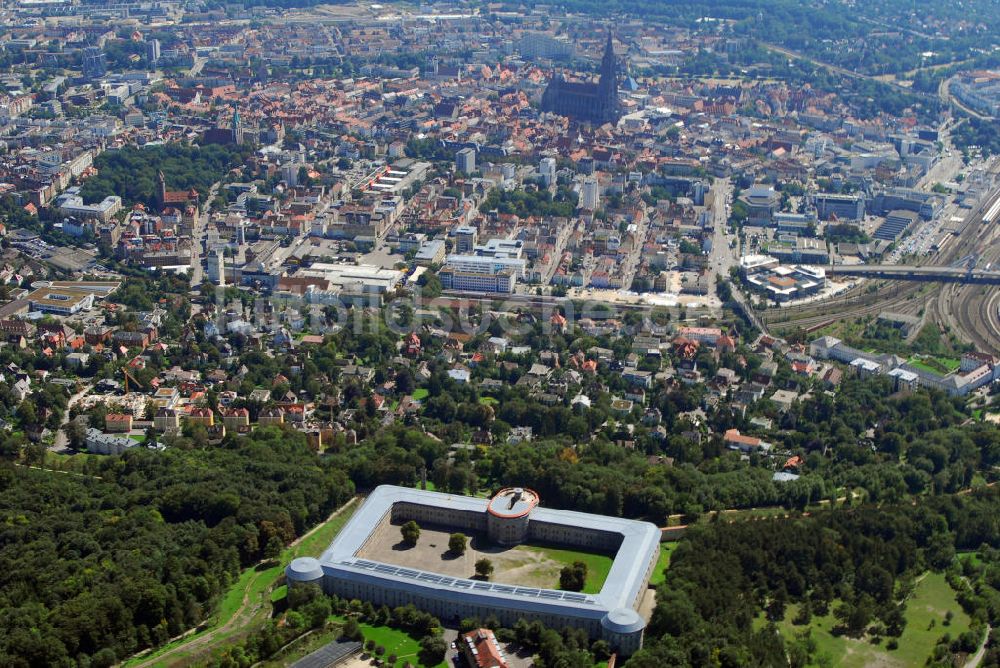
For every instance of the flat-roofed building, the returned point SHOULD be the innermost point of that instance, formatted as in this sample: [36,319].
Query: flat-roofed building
[60,301]
[466,237]
[363,278]
[103,211]
[611,614]
[430,252]
[761,202]
[841,207]
[486,265]
[99,443]
[502,281]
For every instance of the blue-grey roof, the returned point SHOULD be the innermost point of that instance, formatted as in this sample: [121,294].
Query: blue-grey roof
[622,587]
[304,569]
[623,620]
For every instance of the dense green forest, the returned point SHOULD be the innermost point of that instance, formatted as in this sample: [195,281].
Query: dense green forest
[131,172]
[917,449]
[980,133]
[860,563]
[524,203]
[97,565]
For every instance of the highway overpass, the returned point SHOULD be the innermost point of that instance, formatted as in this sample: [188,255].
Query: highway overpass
[901,272]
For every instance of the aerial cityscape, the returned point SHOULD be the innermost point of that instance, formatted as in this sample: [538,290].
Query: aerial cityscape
[497,335]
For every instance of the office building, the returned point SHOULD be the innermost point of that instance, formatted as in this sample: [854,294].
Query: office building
[502,281]
[831,206]
[465,160]
[547,170]
[541,45]
[761,202]
[60,301]
[466,237]
[95,63]
[590,194]
[153,51]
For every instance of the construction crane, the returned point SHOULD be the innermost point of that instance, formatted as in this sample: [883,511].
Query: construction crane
[129,377]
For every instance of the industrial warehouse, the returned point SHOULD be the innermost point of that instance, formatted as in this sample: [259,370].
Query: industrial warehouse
[512,517]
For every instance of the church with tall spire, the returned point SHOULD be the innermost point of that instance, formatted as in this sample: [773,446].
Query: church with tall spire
[587,101]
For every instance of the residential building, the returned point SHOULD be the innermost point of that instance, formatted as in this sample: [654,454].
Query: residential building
[481,650]
[118,422]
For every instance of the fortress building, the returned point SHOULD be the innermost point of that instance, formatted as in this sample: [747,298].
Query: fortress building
[511,517]
[592,102]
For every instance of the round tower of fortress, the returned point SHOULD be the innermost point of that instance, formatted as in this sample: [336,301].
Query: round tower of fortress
[508,514]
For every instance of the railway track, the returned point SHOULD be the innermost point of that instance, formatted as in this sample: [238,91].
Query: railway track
[968,310]
[893,296]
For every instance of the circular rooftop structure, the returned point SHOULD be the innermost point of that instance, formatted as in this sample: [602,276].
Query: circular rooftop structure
[513,502]
[304,569]
[623,621]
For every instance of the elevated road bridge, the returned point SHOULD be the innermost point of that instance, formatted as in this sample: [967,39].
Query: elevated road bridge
[900,272]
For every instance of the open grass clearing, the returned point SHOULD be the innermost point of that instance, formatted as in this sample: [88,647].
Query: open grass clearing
[662,563]
[931,600]
[935,363]
[405,646]
[598,565]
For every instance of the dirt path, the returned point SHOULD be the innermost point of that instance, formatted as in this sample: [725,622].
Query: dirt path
[60,443]
[245,613]
[977,658]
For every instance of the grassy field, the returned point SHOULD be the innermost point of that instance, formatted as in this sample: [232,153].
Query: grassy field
[405,647]
[934,364]
[659,573]
[54,459]
[932,598]
[971,556]
[488,401]
[253,584]
[598,565]
[420,394]
[396,642]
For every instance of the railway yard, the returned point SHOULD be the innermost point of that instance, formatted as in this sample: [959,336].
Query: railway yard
[969,311]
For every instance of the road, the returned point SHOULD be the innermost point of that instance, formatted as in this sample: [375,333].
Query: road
[61,443]
[944,92]
[723,258]
[198,238]
[196,67]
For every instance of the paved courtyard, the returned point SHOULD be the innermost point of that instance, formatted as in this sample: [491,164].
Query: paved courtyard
[520,565]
